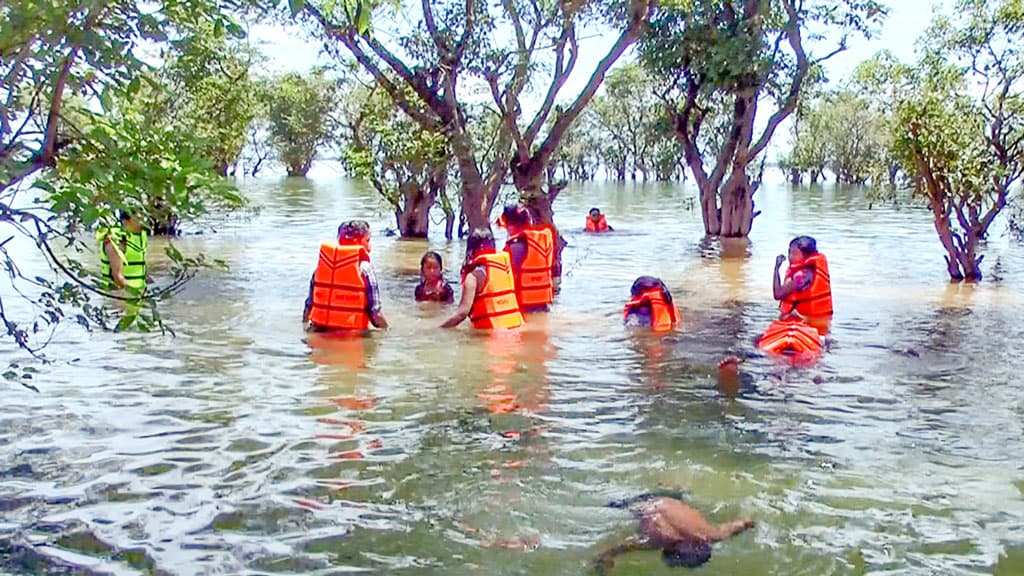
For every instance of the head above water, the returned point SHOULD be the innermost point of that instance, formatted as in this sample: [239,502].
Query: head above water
[595,214]
[515,218]
[431,266]
[687,553]
[645,283]
[480,241]
[130,221]
[800,248]
[354,232]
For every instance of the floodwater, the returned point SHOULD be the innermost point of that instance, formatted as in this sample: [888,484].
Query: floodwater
[244,446]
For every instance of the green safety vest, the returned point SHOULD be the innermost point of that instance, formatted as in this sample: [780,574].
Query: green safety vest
[133,256]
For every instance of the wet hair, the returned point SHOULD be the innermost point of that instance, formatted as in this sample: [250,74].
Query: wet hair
[479,239]
[645,283]
[805,244]
[431,255]
[688,553]
[353,230]
[594,209]
[517,216]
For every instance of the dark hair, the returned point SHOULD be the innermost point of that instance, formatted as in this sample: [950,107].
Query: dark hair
[688,553]
[645,283]
[479,239]
[431,255]
[353,230]
[805,244]
[594,209]
[516,216]
[126,214]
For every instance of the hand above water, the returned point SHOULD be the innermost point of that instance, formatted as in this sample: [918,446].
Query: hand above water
[779,260]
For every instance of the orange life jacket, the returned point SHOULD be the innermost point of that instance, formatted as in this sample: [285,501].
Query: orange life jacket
[663,315]
[816,300]
[600,226]
[339,290]
[533,279]
[790,336]
[495,305]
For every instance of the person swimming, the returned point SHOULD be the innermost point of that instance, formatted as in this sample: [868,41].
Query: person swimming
[596,222]
[432,286]
[679,530]
[650,305]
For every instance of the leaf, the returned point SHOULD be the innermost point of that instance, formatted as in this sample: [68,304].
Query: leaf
[173,253]
[126,321]
[362,20]
[296,6]
[11,375]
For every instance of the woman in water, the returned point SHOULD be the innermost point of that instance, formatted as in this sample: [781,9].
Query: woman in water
[432,286]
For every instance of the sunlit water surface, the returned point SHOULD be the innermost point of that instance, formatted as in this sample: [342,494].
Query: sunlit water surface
[243,446]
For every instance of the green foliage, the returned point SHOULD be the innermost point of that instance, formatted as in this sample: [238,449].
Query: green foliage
[60,63]
[959,122]
[722,61]
[210,91]
[300,111]
[843,132]
[388,148]
[634,130]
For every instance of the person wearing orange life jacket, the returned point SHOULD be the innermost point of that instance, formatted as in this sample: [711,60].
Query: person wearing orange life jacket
[596,222]
[536,223]
[651,305]
[488,288]
[343,292]
[807,288]
[532,253]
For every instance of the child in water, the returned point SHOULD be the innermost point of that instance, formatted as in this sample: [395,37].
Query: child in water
[651,305]
[432,286]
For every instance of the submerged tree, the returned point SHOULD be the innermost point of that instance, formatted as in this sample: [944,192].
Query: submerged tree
[732,57]
[842,132]
[300,112]
[407,165]
[212,92]
[960,124]
[505,47]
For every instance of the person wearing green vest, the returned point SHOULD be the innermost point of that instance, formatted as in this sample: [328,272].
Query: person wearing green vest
[123,254]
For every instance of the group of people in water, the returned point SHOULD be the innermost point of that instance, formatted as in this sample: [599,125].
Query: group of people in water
[498,288]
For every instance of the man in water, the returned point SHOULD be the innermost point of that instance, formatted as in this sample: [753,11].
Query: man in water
[680,531]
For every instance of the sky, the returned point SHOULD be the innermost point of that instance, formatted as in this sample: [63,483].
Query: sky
[290,49]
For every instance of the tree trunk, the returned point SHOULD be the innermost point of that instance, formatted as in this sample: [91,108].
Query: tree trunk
[299,168]
[709,211]
[795,177]
[737,213]
[413,217]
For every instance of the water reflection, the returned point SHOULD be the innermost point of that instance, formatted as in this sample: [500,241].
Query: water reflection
[244,445]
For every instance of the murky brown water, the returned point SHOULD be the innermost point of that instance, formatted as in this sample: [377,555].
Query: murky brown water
[242,446]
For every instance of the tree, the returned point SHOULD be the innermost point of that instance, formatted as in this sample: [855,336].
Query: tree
[300,113]
[843,132]
[407,165]
[960,124]
[457,43]
[58,62]
[634,126]
[732,56]
[211,92]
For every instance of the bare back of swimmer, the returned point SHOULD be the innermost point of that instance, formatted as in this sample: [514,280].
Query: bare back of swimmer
[679,530]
